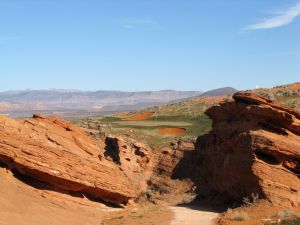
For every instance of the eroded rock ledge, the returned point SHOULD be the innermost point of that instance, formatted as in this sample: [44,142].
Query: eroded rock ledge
[253,148]
[56,152]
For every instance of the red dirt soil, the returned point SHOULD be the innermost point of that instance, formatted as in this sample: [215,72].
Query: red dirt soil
[142,116]
[171,131]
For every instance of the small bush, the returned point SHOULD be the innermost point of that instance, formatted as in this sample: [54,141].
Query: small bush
[287,217]
[239,216]
[288,222]
[137,215]
[291,222]
[288,214]
[252,200]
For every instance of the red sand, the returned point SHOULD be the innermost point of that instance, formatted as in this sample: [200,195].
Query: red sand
[142,116]
[172,131]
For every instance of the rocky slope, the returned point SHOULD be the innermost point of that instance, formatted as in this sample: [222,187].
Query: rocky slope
[286,94]
[253,149]
[56,152]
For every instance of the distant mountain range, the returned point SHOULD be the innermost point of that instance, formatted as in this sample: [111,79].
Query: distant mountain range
[74,102]
[212,93]
[219,92]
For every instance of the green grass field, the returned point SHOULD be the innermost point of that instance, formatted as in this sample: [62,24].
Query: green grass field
[187,114]
[151,123]
[195,123]
[147,130]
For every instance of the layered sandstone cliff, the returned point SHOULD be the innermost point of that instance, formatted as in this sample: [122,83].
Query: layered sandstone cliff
[253,149]
[56,152]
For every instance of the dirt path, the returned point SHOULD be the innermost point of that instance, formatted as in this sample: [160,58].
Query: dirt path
[189,216]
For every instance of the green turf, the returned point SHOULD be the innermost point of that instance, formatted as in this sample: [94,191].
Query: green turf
[152,123]
[147,130]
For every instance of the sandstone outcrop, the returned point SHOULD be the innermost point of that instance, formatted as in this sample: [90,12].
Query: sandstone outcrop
[253,149]
[56,152]
[134,158]
[171,181]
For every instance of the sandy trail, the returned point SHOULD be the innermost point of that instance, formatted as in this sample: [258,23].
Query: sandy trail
[189,216]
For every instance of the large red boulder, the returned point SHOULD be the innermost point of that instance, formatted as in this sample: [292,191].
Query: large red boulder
[253,149]
[54,151]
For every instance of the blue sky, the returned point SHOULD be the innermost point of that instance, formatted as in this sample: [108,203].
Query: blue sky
[148,44]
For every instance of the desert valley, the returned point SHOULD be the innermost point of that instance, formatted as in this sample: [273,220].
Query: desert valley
[149,112]
[225,158]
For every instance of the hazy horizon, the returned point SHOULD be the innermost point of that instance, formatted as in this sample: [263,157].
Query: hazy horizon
[143,90]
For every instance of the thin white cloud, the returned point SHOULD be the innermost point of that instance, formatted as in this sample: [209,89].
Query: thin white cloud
[280,19]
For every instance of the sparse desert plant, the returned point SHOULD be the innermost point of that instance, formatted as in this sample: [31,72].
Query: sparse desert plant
[147,194]
[285,217]
[251,200]
[239,216]
[188,199]
[255,197]
[117,218]
[287,222]
[153,208]
[137,214]
[288,214]
[229,210]
[291,222]
[287,93]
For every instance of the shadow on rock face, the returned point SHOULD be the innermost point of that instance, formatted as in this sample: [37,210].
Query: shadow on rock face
[47,187]
[252,150]
[112,150]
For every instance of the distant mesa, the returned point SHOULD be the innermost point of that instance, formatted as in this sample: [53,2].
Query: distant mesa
[219,92]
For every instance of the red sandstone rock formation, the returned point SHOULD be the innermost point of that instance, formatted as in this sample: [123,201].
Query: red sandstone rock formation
[133,158]
[171,181]
[253,148]
[56,152]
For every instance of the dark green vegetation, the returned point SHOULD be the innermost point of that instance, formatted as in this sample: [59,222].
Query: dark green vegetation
[292,222]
